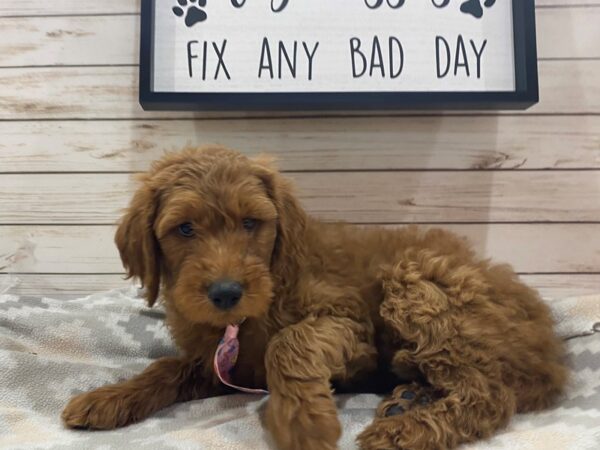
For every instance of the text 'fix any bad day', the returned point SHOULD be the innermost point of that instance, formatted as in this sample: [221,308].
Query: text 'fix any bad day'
[381,57]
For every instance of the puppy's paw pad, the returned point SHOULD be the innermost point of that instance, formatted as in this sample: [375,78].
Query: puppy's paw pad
[394,410]
[408,395]
[423,400]
[405,398]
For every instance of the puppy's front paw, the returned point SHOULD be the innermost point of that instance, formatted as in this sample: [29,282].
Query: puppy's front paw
[103,409]
[303,423]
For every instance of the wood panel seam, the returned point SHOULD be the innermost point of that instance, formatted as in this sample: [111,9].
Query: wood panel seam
[31,16]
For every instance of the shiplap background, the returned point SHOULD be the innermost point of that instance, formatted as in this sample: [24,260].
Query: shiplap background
[525,186]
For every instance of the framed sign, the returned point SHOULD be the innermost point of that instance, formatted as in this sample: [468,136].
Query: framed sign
[337,54]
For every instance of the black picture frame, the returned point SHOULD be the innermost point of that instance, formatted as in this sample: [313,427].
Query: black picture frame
[526,91]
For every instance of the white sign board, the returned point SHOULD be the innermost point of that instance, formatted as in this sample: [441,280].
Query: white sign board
[211,47]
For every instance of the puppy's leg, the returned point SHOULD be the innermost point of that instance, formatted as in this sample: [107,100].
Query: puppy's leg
[301,360]
[474,407]
[439,306]
[163,383]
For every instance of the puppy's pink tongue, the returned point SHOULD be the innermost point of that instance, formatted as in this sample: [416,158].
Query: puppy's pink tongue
[226,357]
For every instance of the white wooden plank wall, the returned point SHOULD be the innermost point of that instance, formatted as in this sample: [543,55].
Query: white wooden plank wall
[523,186]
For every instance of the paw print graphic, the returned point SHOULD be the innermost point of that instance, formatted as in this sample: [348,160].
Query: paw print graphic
[474,7]
[191,10]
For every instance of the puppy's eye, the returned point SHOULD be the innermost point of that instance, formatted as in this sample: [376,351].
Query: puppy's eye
[249,224]
[186,229]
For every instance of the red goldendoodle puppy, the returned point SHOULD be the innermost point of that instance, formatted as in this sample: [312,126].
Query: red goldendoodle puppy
[222,237]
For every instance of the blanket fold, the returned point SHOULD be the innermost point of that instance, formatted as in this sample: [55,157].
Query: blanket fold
[52,349]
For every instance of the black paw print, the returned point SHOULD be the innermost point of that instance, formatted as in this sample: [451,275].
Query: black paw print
[474,8]
[192,9]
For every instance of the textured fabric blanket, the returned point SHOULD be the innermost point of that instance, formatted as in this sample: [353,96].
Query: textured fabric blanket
[52,349]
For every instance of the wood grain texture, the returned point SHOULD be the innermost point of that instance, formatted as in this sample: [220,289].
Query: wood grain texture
[557,286]
[67,40]
[567,29]
[49,41]
[578,36]
[562,3]
[360,197]
[60,286]
[89,249]
[69,286]
[84,7]
[61,7]
[566,87]
[498,142]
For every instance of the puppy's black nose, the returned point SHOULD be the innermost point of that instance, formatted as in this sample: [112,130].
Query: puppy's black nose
[225,294]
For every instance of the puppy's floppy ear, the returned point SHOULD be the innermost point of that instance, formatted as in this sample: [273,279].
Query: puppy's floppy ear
[137,243]
[292,219]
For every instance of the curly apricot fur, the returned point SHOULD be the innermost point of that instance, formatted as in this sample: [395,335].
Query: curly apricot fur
[325,304]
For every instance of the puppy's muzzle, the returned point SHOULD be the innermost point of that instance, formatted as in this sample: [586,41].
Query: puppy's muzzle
[225,294]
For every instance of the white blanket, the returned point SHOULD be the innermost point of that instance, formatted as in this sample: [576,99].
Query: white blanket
[53,349]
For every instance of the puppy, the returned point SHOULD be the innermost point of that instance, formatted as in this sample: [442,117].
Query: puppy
[223,240]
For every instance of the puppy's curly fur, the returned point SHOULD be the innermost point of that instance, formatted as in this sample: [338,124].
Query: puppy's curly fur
[324,304]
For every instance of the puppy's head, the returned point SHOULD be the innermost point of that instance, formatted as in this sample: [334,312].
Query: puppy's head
[209,226]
